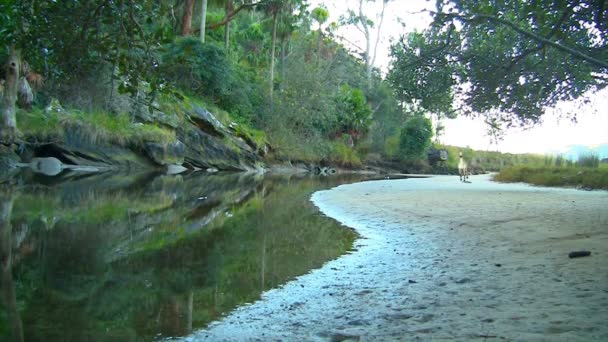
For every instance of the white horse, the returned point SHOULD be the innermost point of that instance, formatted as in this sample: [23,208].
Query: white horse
[463,169]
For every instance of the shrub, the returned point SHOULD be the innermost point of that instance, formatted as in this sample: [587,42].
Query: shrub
[415,137]
[343,155]
[354,113]
[205,70]
[391,147]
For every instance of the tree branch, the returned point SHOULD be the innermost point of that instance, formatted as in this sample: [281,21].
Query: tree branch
[542,45]
[350,42]
[575,53]
[378,32]
[232,14]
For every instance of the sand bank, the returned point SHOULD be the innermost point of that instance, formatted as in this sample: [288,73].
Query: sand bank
[439,259]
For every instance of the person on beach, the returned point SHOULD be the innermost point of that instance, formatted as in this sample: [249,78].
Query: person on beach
[463,169]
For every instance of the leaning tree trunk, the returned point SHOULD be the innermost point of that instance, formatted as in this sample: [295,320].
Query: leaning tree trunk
[8,122]
[187,17]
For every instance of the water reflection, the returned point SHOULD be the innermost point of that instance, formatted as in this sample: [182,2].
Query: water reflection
[143,256]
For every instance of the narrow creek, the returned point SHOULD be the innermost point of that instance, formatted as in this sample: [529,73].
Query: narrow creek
[146,256]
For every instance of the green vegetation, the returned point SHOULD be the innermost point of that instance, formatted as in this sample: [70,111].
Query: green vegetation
[97,127]
[277,69]
[488,160]
[416,137]
[584,177]
[586,173]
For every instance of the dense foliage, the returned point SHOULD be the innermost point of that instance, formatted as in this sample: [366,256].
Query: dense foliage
[270,64]
[518,57]
[415,137]
[422,73]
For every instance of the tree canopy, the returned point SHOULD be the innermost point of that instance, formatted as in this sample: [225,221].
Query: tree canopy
[517,57]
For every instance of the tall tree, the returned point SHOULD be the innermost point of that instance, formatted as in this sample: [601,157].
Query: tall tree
[320,15]
[285,30]
[274,9]
[365,25]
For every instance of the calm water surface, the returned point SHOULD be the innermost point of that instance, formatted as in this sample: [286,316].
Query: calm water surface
[139,257]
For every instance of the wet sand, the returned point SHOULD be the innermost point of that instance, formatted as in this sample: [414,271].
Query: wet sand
[442,260]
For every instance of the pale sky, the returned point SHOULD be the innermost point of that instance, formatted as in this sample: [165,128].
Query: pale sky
[552,135]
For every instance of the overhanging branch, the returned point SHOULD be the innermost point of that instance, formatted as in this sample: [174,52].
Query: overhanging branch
[477,18]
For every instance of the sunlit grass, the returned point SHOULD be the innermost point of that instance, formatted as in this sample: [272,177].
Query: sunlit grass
[97,127]
[344,155]
[585,177]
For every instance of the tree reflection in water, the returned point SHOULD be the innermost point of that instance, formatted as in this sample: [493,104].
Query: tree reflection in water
[7,284]
[145,256]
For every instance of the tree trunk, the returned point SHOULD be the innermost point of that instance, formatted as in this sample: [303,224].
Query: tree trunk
[189,312]
[275,21]
[7,284]
[187,17]
[371,64]
[283,58]
[366,53]
[8,123]
[227,36]
[229,7]
[203,19]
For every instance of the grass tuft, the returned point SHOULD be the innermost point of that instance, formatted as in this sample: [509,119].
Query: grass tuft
[343,155]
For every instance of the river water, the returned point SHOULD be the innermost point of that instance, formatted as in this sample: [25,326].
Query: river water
[130,257]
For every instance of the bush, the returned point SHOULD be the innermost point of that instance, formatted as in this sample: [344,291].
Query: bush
[415,137]
[354,113]
[391,147]
[203,69]
[343,155]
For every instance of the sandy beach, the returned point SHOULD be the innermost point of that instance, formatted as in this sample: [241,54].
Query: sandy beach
[443,260]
